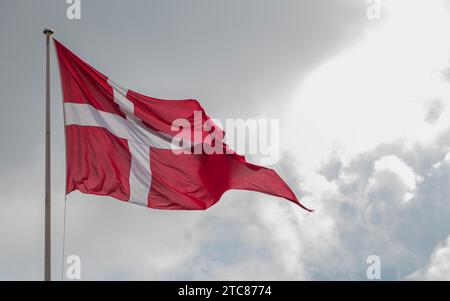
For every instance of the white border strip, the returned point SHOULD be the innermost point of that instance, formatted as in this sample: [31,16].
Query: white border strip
[140,173]
[87,115]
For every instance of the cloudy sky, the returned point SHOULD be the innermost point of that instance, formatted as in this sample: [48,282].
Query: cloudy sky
[365,137]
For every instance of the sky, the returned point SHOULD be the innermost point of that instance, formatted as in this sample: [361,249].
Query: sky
[364,117]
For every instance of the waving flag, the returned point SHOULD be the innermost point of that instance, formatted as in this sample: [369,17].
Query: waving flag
[120,143]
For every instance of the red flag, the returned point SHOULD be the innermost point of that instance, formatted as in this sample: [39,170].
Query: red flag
[120,143]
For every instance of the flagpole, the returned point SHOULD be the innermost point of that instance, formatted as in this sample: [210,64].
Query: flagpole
[47,251]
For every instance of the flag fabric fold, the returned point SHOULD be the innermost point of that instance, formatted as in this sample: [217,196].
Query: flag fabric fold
[120,143]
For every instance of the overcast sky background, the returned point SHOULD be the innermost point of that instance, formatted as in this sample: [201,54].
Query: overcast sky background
[365,137]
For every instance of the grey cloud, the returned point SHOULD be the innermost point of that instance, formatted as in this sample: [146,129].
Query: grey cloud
[371,219]
[331,169]
[446,74]
[434,109]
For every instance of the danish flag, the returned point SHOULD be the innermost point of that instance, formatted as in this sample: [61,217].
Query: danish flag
[120,143]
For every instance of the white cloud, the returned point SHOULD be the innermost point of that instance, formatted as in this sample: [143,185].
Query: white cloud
[438,269]
[392,164]
[365,148]
[374,92]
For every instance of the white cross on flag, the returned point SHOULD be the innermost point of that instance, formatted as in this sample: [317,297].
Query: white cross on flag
[120,143]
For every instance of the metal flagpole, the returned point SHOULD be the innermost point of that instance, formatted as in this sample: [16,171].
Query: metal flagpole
[47,257]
